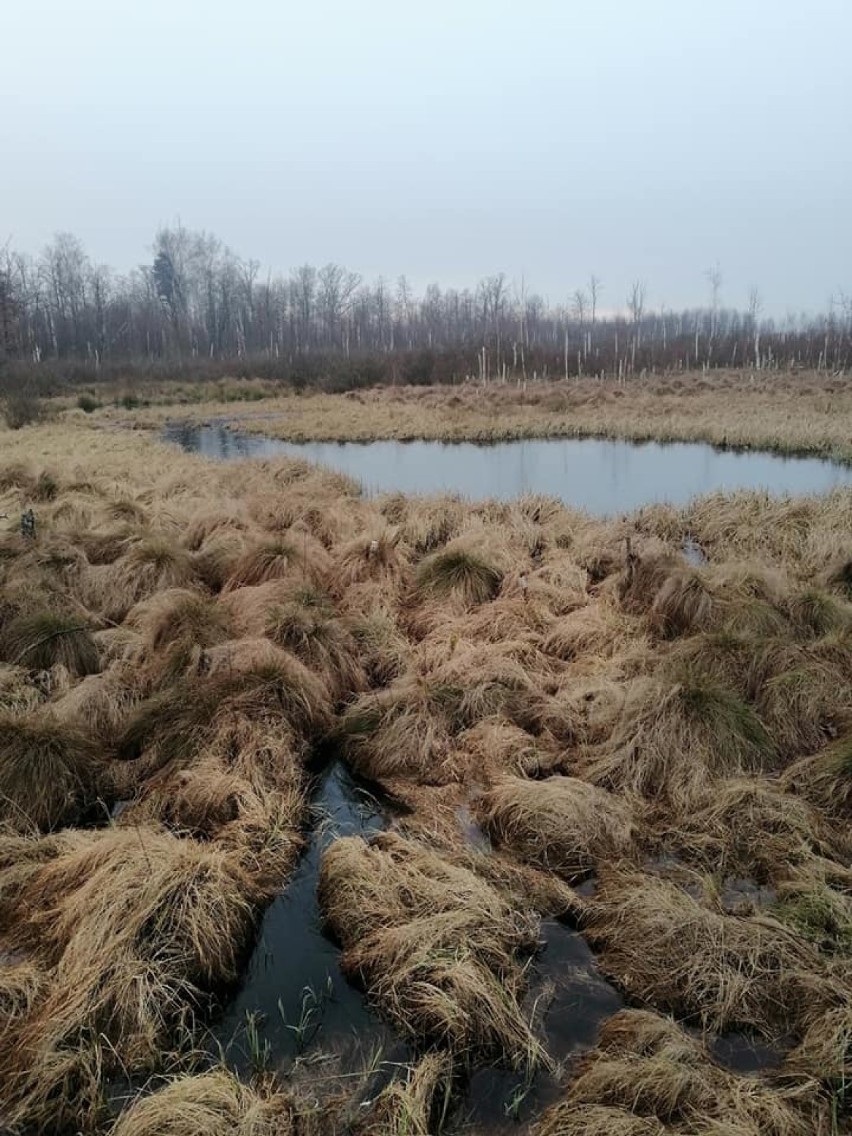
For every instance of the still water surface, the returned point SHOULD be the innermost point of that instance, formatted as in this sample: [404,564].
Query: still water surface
[601,476]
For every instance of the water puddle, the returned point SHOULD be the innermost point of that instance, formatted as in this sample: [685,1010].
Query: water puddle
[601,476]
[743,1053]
[474,835]
[569,1000]
[742,896]
[293,999]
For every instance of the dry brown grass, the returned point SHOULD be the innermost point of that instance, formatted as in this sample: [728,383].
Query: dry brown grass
[672,740]
[562,823]
[648,1076]
[49,771]
[666,949]
[688,726]
[209,1104]
[416,1106]
[787,413]
[435,946]
[126,926]
[825,778]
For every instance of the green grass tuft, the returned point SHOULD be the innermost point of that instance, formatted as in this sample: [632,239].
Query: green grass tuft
[458,572]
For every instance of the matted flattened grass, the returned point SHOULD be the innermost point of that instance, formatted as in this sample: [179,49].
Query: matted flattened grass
[649,1077]
[435,946]
[560,823]
[215,1103]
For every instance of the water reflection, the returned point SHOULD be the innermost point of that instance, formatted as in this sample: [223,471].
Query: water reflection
[601,476]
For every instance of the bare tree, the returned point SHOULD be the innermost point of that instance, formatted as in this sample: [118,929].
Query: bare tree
[595,289]
[714,278]
[755,306]
[636,305]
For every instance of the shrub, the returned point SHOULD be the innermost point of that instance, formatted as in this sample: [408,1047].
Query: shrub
[87,404]
[22,410]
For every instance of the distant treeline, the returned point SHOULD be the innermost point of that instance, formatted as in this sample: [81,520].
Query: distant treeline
[198,311]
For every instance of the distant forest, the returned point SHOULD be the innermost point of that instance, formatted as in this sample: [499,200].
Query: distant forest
[198,310]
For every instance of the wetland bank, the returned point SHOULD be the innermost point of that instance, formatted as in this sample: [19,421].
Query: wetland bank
[583,862]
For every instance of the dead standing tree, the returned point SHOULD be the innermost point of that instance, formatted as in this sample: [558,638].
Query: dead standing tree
[636,306]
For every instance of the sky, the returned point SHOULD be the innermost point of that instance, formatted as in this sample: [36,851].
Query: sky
[448,140]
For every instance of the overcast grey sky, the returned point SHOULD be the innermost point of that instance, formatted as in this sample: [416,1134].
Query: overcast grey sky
[446,140]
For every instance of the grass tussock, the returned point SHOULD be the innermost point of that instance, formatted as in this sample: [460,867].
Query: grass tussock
[648,1076]
[250,690]
[128,927]
[752,828]
[825,778]
[373,556]
[550,702]
[44,639]
[308,627]
[150,565]
[18,692]
[289,556]
[673,740]
[402,730]
[49,772]
[664,948]
[215,1103]
[460,572]
[435,947]
[562,823]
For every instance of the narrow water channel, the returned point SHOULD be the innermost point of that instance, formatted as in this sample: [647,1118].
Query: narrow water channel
[293,997]
[604,477]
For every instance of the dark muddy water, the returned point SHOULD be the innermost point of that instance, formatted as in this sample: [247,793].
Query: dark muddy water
[293,990]
[603,477]
[570,1000]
